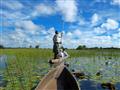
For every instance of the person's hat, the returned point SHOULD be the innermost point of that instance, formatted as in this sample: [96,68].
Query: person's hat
[56,32]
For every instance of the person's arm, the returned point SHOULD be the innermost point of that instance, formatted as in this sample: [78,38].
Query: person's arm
[65,55]
[54,38]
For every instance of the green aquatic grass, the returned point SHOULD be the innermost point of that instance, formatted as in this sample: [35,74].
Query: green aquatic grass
[26,67]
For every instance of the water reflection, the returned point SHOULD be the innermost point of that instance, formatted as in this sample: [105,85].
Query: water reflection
[117,86]
[3,59]
[90,85]
[107,68]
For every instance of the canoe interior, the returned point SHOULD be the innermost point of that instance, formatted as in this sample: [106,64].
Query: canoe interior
[59,78]
[66,81]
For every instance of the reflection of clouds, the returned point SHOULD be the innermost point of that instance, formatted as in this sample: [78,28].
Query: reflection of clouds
[3,59]
[90,67]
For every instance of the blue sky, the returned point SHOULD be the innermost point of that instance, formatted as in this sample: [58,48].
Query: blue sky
[83,22]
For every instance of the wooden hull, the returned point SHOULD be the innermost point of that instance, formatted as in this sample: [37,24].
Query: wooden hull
[59,78]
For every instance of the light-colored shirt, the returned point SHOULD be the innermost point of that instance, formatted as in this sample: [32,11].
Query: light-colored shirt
[57,38]
[63,55]
[60,54]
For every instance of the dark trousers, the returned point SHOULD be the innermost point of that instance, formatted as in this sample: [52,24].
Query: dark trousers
[55,50]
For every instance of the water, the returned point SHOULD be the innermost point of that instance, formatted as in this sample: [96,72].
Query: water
[109,69]
[3,59]
[90,85]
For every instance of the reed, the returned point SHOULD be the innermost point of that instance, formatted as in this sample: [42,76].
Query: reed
[26,67]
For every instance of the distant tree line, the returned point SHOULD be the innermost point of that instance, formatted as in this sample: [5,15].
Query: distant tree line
[81,47]
[37,46]
[2,47]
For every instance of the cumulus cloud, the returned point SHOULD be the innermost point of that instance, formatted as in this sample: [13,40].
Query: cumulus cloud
[72,38]
[116,36]
[46,40]
[94,19]
[13,16]
[110,24]
[16,5]
[115,2]
[99,30]
[22,37]
[90,38]
[101,41]
[27,33]
[27,25]
[68,8]
[105,27]
[43,9]
[13,38]
[82,22]
[77,32]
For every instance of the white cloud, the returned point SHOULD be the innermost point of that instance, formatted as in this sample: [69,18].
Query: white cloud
[104,41]
[69,34]
[13,38]
[51,31]
[8,15]
[99,30]
[27,25]
[28,33]
[46,40]
[69,38]
[43,9]
[94,19]
[116,36]
[119,29]
[21,38]
[115,2]
[91,39]
[68,8]
[110,24]
[77,32]
[14,5]
[82,21]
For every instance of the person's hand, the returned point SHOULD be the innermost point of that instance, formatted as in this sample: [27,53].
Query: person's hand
[50,62]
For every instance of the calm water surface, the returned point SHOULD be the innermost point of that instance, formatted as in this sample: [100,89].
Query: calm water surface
[108,67]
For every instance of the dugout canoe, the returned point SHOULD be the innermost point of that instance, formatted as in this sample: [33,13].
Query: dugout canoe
[59,78]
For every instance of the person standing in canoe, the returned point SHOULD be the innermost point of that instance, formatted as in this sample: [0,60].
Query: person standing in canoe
[59,52]
[57,42]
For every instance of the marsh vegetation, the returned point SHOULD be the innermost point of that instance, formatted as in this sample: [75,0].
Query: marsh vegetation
[23,68]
